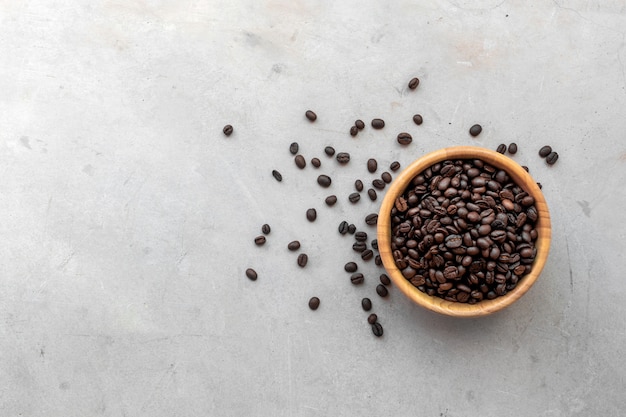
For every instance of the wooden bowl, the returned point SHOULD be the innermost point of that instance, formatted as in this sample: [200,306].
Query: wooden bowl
[439,305]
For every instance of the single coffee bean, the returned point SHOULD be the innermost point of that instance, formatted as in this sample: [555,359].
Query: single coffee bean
[358,184]
[380,184]
[372,318]
[277,175]
[251,274]
[475,130]
[351,267]
[525,168]
[357,278]
[343,227]
[293,148]
[359,246]
[329,150]
[331,200]
[360,236]
[259,240]
[539,185]
[378,123]
[404,138]
[545,151]
[265,229]
[377,329]
[551,159]
[372,194]
[300,161]
[293,246]
[372,165]
[351,228]
[302,260]
[314,303]
[324,181]
[359,124]
[385,176]
[367,254]
[513,148]
[354,197]
[374,243]
[384,279]
[311,214]
[366,303]
[414,83]
[354,131]
[378,260]
[501,148]
[417,119]
[316,162]
[371,219]
[343,157]
[395,165]
[311,115]
[381,290]
[228,130]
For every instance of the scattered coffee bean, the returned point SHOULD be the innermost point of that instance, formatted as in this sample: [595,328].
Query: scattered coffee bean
[351,228]
[501,148]
[314,303]
[277,175]
[414,83]
[316,162]
[343,157]
[251,274]
[378,123]
[386,177]
[359,124]
[359,246]
[372,318]
[372,165]
[293,148]
[366,303]
[372,194]
[351,267]
[551,159]
[259,240]
[354,197]
[360,236]
[302,260]
[300,161]
[384,279]
[311,115]
[293,246]
[358,185]
[475,130]
[404,138]
[378,260]
[367,254]
[228,130]
[525,168]
[539,185]
[371,219]
[331,200]
[395,165]
[377,329]
[382,290]
[329,150]
[343,227]
[513,148]
[354,131]
[380,184]
[417,119]
[311,214]
[357,278]
[266,229]
[374,244]
[324,181]
[545,151]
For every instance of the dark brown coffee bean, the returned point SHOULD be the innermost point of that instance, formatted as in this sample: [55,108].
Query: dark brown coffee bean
[453,241]
[475,130]
[300,161]
[377,329]
[395,165]
[259,240]
[228,130]
[357,278]
[371,219]
[311,214]
[314,303]
[414,83]
[316,162]
[277,175]
[293,148]
[366,303]
[513,148]
[351,228]
[324,181]
[372,194]
[545,151]
[372,318]
[354,197]
[417,119]
[331,200]
[380,184]
[501,148]
[329,150]
[351,267]
[343,157]
[384,279]
[378,123]
[539,185]
[360,236]
[354,131]
[552,158]
[311,115]
[294,245]
[378,260]
[302,260]
[367,254]
[359,246]
[343,227]
[266,229]
[251,274]
[385,176]
[359,124]
[374,243]
[372,165]
[404,138]
[381,290]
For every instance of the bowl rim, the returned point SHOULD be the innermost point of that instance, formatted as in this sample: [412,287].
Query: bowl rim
[439,305]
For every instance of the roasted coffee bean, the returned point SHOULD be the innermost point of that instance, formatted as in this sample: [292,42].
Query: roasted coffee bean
[404,138]
[513,148]
[351,228]
[311,214]
[475,130]
[539,185]
[381,290]
[357,278]
[358,185]
[311,115]
[343,157]
[378,123]
[374,243]
[384,279]
[354,197]
[350,267]
[545,151]
[316,162]
[324,181]
[259,240]
[395,165]
[266,229]
[359,246]
[372,165]
[343,227]
[293,246]
[251,274]
[300,161]
[367,254]
[329,150]
[366,303]
[372,318]
[551,159]
[414,83]
[360,236]
[314,303]
[372,194]
[377,329]
[293,148]
[302,260]
[354,131]
[277,175]
[228,130]
[417,119]
[378,260]
[359,124]
[380,184]
[371,219]
[501,148]
[385,176]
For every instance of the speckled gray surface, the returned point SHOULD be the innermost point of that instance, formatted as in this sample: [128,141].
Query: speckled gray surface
[128,219]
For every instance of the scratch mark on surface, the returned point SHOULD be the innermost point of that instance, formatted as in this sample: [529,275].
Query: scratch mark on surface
[24,140]
[585,206]
[65,261]
[569,265]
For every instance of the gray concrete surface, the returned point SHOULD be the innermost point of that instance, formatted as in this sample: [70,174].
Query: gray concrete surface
[127,218]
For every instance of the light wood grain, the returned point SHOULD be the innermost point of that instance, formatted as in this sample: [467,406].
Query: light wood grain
[520,176]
